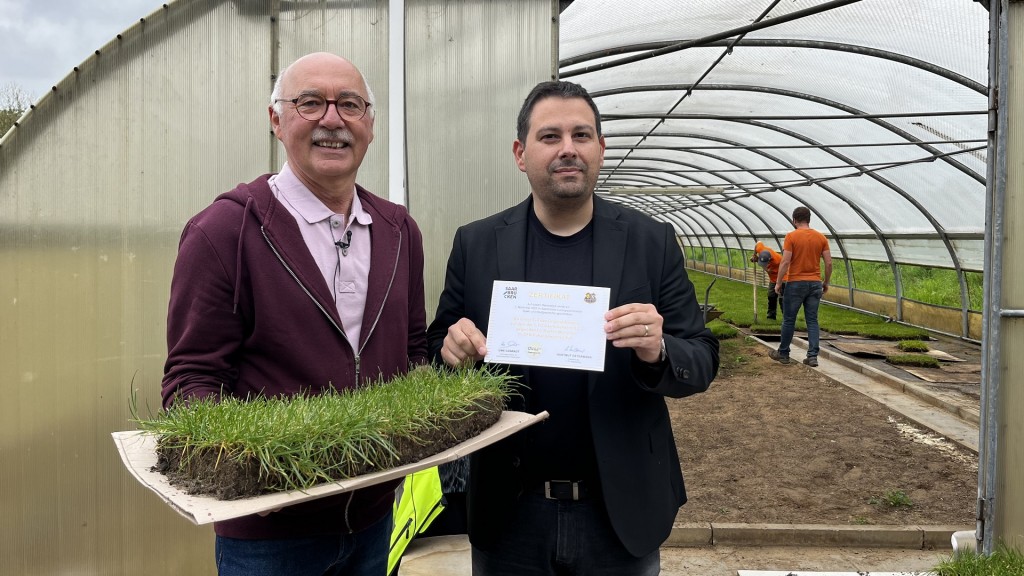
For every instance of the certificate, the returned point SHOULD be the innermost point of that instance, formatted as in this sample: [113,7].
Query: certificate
[553,325]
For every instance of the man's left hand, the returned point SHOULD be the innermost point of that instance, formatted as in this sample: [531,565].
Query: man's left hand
[636,326]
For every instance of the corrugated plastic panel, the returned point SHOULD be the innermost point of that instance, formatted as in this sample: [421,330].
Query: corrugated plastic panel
[483,57]
[96,184]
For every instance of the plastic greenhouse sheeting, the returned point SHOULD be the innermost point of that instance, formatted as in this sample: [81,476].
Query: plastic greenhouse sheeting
[721,117]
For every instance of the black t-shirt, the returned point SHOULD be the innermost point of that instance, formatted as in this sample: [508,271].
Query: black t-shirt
[561,447]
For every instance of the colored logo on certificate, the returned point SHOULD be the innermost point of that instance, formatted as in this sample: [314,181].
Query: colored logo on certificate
[534,350]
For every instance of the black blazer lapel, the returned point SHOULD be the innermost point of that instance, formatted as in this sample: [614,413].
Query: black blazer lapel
[610,235]
[511,243]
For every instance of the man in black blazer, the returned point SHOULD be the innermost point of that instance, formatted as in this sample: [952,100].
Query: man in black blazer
[593,489]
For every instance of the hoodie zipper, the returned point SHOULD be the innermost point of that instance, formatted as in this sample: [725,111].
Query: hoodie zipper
[358,354]
[380,311]
[391,282]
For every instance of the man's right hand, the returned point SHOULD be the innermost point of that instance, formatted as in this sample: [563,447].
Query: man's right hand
[464,344]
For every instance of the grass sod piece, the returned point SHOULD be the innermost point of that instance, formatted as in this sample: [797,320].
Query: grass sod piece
[918,360]
[912,346]
[721,330]
[231,448]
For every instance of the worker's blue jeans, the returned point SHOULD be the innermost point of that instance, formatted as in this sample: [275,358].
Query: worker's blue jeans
[561,537]
[361,553]
[800,293]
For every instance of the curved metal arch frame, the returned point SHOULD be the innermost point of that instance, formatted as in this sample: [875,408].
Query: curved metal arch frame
[835,235]
[703,41]
[717,173]
[724,205]
[940,232]
[880,122]
[660,48]
[724,202]
[795,43]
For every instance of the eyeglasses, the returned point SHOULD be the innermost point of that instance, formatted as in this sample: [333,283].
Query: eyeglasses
[314,108]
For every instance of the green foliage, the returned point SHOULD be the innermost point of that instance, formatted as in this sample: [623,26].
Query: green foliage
[937,286]
[7,119]
[306,440]
[912,346]
[1004,561]
[872,276]
[931,285]
[733,257]
[893,499]
[919,360]
[735,299]
[13,103]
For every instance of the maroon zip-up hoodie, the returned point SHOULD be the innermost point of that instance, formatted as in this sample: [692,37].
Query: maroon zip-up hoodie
[250,314]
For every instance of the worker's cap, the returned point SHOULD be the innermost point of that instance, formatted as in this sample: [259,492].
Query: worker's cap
[765,257]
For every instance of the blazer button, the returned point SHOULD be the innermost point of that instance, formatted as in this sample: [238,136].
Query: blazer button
[515,462]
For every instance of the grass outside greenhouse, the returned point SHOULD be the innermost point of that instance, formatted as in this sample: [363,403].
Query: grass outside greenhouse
[936,286]
[734,299]
[1004,561]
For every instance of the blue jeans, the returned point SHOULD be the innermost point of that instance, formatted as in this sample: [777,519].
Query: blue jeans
[800,293]
[361,554]
[561,537]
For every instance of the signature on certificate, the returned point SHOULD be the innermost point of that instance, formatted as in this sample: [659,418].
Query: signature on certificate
[574,348]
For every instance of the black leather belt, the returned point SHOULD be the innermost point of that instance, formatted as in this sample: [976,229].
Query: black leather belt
[565,490]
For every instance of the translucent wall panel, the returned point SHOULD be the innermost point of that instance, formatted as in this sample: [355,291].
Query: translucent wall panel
[470,64]
[357,30]
[96,185]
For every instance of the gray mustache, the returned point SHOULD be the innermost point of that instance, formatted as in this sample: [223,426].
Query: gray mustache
[338,135]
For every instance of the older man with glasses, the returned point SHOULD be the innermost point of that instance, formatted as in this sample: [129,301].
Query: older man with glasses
[301,282]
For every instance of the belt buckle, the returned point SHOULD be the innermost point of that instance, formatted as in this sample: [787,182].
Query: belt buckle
[575,489]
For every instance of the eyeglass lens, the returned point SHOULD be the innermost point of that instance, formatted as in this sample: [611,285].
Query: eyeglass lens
[315,107]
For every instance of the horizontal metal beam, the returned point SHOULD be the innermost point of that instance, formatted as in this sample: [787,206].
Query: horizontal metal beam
[796,15]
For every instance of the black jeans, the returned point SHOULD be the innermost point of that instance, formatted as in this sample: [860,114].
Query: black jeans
[561,537]
[773,299]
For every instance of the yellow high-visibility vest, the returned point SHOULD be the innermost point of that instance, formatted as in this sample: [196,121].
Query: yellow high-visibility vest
[418,501]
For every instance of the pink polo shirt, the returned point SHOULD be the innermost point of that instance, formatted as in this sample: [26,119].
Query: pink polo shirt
[344,269]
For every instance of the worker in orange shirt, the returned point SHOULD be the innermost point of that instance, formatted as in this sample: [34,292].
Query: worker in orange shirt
[803,252]
[769,260]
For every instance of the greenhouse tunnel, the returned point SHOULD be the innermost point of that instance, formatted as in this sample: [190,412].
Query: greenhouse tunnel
[878,116]
[721,122]
[896,123]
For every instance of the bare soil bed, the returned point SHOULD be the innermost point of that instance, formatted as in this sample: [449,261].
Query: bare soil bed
[784,444]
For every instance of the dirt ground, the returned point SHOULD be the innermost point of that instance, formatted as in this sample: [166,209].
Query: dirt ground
[772,443]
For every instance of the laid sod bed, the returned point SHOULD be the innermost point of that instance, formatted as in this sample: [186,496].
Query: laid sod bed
[234,449]
[735,300]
